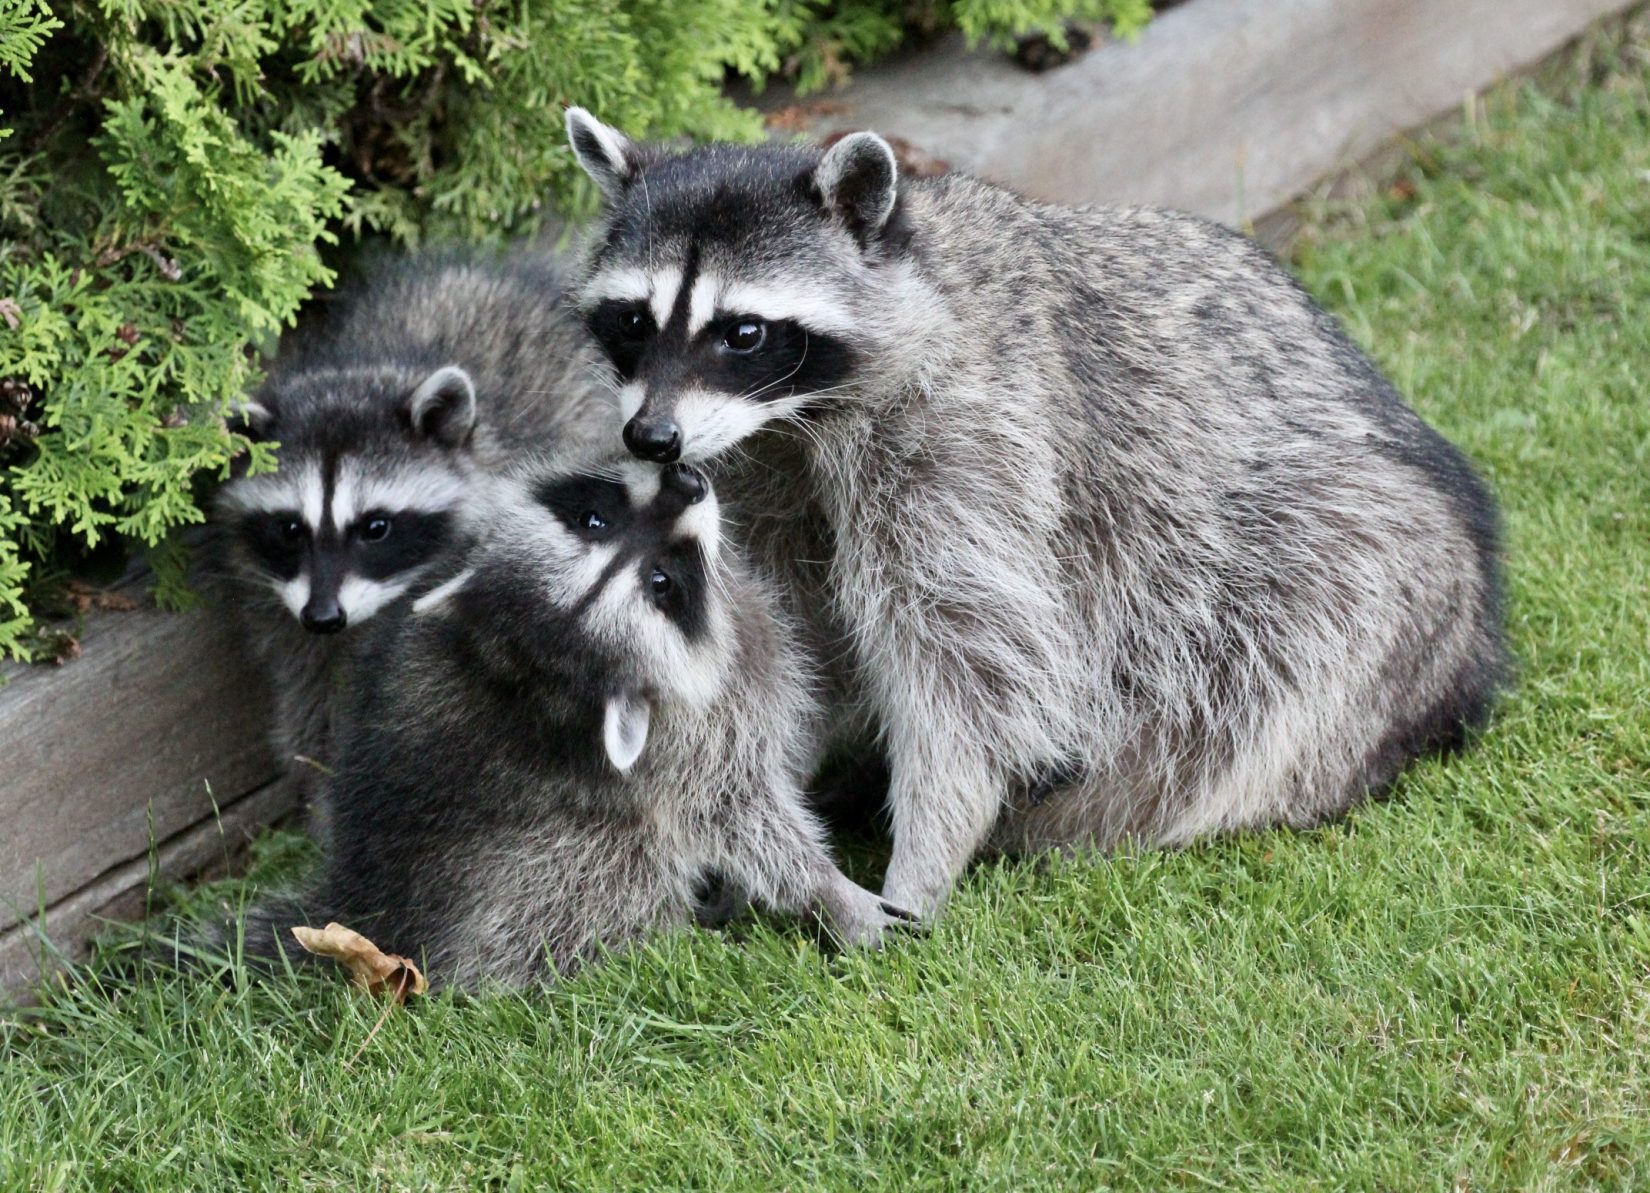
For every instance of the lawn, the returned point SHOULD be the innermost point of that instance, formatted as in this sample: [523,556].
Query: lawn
[1449,989]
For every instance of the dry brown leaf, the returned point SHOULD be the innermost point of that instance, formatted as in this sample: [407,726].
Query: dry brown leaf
[370,968]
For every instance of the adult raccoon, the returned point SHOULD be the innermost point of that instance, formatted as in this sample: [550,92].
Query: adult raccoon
[1117,533]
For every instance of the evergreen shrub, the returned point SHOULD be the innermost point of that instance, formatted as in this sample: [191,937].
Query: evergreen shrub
[178,176]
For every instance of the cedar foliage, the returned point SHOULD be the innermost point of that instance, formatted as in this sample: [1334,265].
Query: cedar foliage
[176,178]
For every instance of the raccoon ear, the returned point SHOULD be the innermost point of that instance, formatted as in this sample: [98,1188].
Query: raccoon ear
[443,407]
[251,418]
[858,181]
[605,153]
[624,729]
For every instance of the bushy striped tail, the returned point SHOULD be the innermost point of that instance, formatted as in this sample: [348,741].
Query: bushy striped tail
[258,942]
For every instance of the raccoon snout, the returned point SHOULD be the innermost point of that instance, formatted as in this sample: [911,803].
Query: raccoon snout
[323,617]
[656,438]
[685,483]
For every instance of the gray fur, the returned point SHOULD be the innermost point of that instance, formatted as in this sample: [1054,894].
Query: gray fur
[427,373]
[1113,533]
[483,821]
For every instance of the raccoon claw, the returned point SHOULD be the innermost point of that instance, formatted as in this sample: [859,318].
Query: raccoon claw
[908,918]
[861,919]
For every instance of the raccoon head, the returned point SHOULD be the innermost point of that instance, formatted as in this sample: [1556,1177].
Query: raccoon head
[606,584]
[734,286]
[372,469]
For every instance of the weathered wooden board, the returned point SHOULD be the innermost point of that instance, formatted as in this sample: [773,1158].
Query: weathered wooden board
[129,744]
[31,950]
[1227,108]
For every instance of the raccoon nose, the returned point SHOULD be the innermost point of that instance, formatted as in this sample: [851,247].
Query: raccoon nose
[658,439]
[323,617]
[685,482]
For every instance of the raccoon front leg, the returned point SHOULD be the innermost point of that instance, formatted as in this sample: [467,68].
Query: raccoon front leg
[943,804]
[303,729]
[305,696]
[777,853]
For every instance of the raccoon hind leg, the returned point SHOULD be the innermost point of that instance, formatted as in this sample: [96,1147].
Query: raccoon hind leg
[1443,727]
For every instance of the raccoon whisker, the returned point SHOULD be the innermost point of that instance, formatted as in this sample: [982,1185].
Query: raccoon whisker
[611,469]
[741,453]
[212,569]
[798,421]
[848,388]
[647,206]
[605,382]
[790,424]
[774,384]
[719,582]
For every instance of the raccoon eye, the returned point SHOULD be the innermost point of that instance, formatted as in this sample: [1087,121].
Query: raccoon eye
[635,323]
[745,335]
[591,520]
[660,583]
[376,530]
[292,530]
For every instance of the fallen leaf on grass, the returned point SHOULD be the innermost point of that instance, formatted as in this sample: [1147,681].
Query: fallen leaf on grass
[370,968]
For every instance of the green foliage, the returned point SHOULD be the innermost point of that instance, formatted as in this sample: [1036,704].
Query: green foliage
[829,39]
[24,27]
[178,178]
[1000,20]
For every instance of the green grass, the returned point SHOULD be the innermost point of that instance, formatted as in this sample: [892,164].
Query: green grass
[1450,989]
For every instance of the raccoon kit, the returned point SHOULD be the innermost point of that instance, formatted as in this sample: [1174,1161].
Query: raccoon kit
[427,373]
[545,751]
[1116,532]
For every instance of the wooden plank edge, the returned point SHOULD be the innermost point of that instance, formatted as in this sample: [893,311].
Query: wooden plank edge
[46,943]
[1383,164]
[124,745]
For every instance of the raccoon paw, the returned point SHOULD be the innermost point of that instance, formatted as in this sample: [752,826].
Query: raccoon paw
[861,919]
[926,899]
